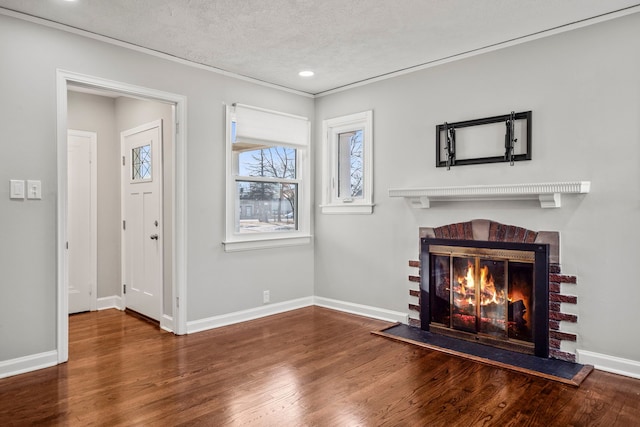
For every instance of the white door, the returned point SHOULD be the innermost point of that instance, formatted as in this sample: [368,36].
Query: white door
[81,220]
[142,216]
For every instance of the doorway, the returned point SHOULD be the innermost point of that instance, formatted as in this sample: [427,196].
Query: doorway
[173,316]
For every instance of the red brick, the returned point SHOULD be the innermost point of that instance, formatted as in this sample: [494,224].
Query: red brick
[554,288]
[554,268]
[562,355]
[562,316]
[554,325]
[561,278]
[554,344]
[414,293]
[562,336]
[518,234]
[530,236]
[570,299]
[414,279]
[468,231]
[554,306]
[415,264]
[414,307]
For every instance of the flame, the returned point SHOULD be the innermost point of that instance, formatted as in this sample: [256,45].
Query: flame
[488,292]
[466,286]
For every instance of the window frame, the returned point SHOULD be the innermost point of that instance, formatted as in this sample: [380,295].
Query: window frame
[234,239]
[331,129]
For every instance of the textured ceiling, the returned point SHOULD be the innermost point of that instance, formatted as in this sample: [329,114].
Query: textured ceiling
[343,41]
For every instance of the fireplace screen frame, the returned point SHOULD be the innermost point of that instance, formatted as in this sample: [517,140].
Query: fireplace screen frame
[539,253]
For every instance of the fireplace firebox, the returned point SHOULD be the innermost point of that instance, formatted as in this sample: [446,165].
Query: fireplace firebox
[495,293]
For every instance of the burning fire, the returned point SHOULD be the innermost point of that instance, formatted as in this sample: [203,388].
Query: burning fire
[488,292]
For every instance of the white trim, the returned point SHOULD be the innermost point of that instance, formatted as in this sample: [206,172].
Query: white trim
[265,243]
[364,209]
[362,310]
[114,301]
[157,54]
[331,129]
[179,285]
[245,315]
[604,362]
[166,323]
[548,194]
[93,220]
[491,48]
[29,363]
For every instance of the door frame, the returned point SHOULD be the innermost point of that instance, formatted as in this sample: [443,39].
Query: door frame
[177,182]
[93,219]
[124,174]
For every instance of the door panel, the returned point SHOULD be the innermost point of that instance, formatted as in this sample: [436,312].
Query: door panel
[142,213]
[81,220]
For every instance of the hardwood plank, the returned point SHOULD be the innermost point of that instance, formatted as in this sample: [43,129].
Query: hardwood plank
[312,366]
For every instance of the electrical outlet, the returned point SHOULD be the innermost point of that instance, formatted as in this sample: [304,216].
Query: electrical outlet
[266,297]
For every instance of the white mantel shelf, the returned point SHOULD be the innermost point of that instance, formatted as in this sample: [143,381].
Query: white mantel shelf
[549,194]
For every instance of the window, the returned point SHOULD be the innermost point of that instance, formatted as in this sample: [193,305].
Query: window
[348,174]
[141,163]
[267,179]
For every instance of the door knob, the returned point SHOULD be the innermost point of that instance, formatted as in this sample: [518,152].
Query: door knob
[154,237]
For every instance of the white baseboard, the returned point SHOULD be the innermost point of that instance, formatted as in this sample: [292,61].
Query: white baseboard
[166,323]
[615,365]
[29,363]
[114,301]
[244,315]
[362,310]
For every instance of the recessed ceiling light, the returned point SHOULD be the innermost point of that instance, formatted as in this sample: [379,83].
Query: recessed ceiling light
[306,73]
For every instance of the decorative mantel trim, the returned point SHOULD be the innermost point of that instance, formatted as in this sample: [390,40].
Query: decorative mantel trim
[547,193]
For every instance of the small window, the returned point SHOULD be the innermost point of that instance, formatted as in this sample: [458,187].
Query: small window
[350,165]
[348,175]
[141,163]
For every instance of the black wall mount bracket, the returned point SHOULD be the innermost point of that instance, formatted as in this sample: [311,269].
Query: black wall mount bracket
[458,143]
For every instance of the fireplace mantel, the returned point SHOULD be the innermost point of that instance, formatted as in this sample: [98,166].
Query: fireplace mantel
[548,194]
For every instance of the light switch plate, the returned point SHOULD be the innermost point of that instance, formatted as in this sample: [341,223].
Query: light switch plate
[17,189]
[34,189]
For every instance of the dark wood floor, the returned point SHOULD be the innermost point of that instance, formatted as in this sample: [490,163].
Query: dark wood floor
[308,367]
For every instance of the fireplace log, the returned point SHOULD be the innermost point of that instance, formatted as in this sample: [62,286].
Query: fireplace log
[517,310]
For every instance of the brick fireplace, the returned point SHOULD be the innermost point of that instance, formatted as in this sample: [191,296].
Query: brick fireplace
[481,231]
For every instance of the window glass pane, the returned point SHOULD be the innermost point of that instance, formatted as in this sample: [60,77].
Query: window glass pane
[271,162]
[267,207]
[141,162]
[350,165]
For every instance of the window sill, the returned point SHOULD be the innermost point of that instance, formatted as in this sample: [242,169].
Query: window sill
[348,208]
[265,243]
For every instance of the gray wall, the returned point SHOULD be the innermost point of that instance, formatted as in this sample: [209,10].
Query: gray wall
[218,283]
[98,114]
[584,90]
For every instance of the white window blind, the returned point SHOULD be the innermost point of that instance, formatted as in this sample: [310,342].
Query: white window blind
[256,125]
